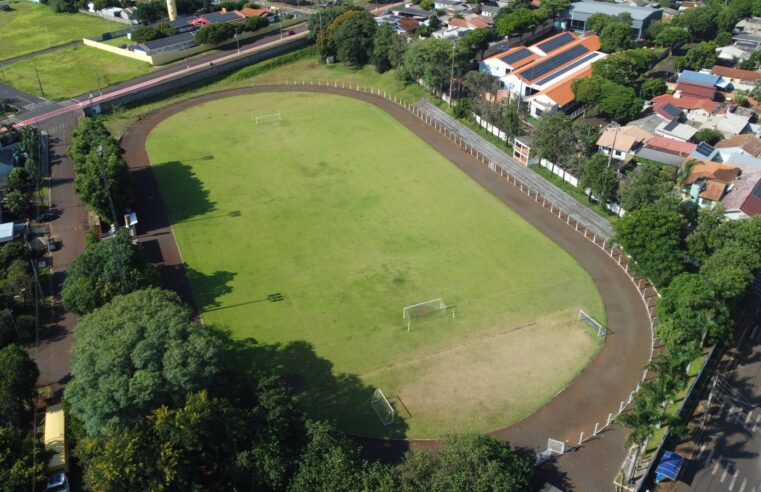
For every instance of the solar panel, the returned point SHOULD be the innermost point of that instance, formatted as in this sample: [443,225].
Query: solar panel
[573,65]
[673,111]
[704,149]
[757,191]
[555,43]
[221,16]
[180,21]
[534,72]
[170,41]
[516,56]
[671,126]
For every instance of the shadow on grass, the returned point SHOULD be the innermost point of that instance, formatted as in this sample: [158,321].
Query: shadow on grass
[207,289]
[182,191]
[323,394]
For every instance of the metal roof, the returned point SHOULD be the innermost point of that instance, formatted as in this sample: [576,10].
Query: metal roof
[593,7]
[180,21]
[698,78]
[222,16]
[170,41]
[551,63]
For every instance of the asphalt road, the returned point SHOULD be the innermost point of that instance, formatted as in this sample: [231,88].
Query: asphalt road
[726,455]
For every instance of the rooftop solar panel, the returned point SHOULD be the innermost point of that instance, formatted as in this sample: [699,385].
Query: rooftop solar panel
[221,16]
[169,41]
[573,65]
[757,191]
[555,43]
[704,149]
[516,56]
[673,111]
[538,70]
[180,21]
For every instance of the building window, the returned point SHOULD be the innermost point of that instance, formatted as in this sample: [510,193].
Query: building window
[578,25]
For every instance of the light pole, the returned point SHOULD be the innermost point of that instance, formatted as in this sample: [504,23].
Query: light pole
[237,41]
[114,227]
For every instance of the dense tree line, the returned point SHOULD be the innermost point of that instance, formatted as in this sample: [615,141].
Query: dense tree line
[160,402]
[24,178]
[99,170]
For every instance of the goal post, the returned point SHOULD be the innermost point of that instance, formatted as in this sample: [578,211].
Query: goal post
[382,407]
[427,309]
[266,118]
[593,323]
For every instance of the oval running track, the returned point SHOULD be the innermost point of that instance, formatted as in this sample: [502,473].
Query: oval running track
[589,398]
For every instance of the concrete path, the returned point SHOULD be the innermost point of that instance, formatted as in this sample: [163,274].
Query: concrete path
[595,393]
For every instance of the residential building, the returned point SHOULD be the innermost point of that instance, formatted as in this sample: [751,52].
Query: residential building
[695,110]
[624,141]
[675,130]
[658,156]
[750,26]
[578,13]
[696,85]
[671,146]
[707,182]
[731,53]
[745,144]
[746,41]
[668,111]
[738,78]
[489,10]
[249,12]
[727,122]
[743,199]
[413,12]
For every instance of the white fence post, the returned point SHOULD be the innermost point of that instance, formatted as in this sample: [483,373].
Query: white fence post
[610,417]
[581,438]
[621,407]
[597,425]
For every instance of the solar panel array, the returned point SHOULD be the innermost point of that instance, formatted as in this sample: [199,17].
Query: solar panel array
[221,16]
[515,56]
[573,65]
[180,21]
[757,191]
[671,110]
[540,69]
[170,41]
[704,149]
[555,43]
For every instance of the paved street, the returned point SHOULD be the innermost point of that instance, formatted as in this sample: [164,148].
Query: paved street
[726,456]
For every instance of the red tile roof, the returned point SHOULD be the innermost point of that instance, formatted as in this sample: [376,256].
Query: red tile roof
[696,91]
[735,73]
[249,12]
[752,205]
[457,22]
[688,103]
[408,24]
[671,146]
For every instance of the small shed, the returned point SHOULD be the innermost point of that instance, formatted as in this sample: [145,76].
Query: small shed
[669,467]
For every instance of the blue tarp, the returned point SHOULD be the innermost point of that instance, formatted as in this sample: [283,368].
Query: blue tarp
[668,467]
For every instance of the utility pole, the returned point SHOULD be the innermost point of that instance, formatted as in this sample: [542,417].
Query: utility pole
[97,77]
[113,218]
[39,82]
[451,74]
[613,149]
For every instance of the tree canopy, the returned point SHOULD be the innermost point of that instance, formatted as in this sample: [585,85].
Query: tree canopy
[648,184]
[599,178]
[353,38]
[216,33]
[18,377]
[701,56]
[553,137]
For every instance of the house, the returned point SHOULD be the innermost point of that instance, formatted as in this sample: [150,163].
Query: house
[746,144]
[623,142]
[746,41]
[750,26]
[706,152]
[694,109]
[407,25]
[731,53]
[743,199]
[727,122]
[675,130]
[641,17]
[249,12]
[696,85]
[707,182]
[544,82]
[668,111]
[172,43]
[412,12]
[740,79]
[668,13]
[489,10]
[670,146]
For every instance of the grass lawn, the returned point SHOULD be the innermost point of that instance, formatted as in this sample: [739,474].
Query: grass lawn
[32,27]
[72,71]
[350,216]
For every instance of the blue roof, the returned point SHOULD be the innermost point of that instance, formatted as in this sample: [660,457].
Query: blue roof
[697,78]
[668,467]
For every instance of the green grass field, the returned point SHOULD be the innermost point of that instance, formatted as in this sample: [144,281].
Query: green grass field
[350,217]
[32,27]
[73,71]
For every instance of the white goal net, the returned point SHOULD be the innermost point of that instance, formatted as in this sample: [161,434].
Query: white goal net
[593,323]
[427,309]
[382,407]
[264,119]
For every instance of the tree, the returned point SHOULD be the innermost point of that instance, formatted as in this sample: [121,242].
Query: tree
[672,37]
[17,465]
[18,377]
[466,462]
[94,278]
[621,104]
[354,38]
[648,184]
[655,28]
[140,351]
[329,462]
[326,46]
[700,22]
[599,178]
[708,135]
[97,158]
[519,19]
[16,280]
[382,46]
[625,68]
[431,61]
[653,87]
[511,122]
[475,42]
[553,137]
[149,12]
[709,235]
[597,22]
[616,37]
[214,34]
[701,56]
[19,180]
[652,235]
[255,23]
[731,270]
[141,34]
[688,310]
[16,203]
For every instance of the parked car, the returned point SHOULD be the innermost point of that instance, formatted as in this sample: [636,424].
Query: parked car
[46,217]
[58,482]
[53,245]
[290,33]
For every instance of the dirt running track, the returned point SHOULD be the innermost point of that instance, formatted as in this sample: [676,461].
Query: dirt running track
[595,393]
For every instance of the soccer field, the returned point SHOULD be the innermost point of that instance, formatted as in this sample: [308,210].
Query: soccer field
[349,216]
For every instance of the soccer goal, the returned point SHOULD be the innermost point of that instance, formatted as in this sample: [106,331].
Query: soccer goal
[553,447]
[382,407]
[264,119]
[596,325]
[427,309]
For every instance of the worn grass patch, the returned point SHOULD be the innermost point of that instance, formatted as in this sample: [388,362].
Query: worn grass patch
[350,216]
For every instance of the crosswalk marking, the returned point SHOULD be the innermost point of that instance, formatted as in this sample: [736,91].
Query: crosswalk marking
[716,467]
[710,454]
[755,424]
[734,479]
[37,105]
[723,475]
